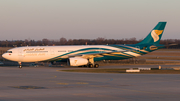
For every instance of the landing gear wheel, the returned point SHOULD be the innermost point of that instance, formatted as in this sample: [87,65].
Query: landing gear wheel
[96,66]
[90,65]
[20,65]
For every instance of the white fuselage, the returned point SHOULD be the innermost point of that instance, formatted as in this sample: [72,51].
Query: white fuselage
[44,53]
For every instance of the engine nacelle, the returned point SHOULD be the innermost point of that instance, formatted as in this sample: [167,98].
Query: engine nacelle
[77,61]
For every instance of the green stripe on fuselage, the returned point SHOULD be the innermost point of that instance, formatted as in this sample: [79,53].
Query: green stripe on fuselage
[103,50]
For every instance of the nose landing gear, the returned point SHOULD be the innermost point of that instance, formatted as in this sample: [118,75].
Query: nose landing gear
[20,65]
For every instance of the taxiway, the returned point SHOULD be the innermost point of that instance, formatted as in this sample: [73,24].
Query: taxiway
[46,83]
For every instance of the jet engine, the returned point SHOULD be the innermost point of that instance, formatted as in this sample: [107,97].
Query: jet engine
[77,61]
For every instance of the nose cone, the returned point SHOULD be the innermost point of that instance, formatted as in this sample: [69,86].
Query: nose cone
[4,55]
[8,56]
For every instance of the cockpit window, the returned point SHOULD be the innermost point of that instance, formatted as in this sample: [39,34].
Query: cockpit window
[9,52]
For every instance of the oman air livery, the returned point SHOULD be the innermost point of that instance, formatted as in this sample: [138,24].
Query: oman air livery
[86,55]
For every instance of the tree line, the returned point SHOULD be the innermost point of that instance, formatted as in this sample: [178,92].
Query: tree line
[97,41]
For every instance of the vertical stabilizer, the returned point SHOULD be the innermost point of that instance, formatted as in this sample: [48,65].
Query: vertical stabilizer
[155,35]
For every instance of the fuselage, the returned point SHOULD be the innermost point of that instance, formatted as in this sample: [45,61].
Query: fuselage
[61,53]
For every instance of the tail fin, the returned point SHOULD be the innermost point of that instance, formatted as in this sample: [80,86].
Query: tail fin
[154,36]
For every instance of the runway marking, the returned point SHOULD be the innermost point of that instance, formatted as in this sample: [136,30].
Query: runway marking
[63,83]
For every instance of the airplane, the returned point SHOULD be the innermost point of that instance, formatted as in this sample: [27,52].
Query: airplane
[87,55]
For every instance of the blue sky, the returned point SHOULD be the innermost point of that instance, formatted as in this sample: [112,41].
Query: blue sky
[86,19]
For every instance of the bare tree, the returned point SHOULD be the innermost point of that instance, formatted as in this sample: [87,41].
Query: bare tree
[63,41]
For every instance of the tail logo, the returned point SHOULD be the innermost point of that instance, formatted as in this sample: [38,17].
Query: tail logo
[155,34]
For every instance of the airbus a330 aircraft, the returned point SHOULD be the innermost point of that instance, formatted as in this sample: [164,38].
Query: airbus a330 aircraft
[81,55]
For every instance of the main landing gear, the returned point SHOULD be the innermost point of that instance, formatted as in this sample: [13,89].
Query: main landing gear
[20,65]
[91,63]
